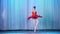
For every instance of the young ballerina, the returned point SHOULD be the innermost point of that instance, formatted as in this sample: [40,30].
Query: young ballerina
[34,16]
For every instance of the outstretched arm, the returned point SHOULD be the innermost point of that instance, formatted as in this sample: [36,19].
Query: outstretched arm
[40,16]
[29,17]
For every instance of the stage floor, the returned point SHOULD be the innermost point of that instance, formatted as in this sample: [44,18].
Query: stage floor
[46,31]
[30,32]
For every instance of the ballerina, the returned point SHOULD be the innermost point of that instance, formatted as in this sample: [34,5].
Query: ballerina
[34,16]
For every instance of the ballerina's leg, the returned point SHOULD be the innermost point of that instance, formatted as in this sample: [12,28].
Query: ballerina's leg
[36,24]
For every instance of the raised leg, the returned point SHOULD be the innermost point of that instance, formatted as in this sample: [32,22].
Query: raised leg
[36,24]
